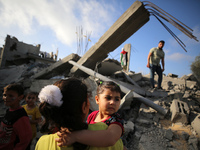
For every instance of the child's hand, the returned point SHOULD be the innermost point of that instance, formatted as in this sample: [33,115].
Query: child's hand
[66,138]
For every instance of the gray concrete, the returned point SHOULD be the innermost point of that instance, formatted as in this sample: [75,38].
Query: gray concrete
[127,48]
[177,81]
[131,21]
[108,66]
[37,85]
[61,67]
[180,112]
[196,125]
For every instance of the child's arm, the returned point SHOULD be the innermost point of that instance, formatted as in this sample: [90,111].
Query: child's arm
[100,138]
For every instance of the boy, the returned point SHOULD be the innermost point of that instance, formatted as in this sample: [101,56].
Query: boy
[15,129]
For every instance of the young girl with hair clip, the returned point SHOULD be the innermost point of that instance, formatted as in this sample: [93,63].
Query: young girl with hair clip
[106,122]
[64,104]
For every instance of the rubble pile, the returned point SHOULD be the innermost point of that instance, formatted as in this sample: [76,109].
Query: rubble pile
[154,119]
[145,127]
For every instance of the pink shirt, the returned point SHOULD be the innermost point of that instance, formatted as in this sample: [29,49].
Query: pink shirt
[113,119]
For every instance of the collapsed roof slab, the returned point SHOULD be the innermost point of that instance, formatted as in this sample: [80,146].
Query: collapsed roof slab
[132,20]
[59,68]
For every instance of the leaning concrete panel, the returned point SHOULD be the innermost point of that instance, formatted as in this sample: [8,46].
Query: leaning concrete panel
[127,48]
[59,68]
[132,20]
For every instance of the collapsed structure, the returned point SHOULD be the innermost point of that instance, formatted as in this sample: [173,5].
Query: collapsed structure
[144,111]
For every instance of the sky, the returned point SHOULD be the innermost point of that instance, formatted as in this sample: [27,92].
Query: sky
[56,24]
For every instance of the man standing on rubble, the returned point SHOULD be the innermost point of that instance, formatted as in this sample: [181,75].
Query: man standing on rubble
[156,55]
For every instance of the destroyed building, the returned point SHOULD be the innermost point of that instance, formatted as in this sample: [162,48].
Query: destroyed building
[15,52]
[167,119]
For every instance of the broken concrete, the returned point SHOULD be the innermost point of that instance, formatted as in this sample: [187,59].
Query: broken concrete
[142,123]
[61,67]
[145,128]
[180,111]
[15,52]
[195,124]
[108,67]
[132,20]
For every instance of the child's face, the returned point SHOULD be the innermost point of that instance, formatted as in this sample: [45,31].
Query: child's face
[108,101]
[30,99]
[12,99]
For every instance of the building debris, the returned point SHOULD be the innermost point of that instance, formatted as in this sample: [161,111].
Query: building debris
[148,122]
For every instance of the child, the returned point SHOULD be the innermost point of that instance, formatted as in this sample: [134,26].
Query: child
[15,129]
[33,112]
[106,120]
[63,105]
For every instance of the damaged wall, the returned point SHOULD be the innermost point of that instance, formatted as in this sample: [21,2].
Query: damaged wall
[14,49]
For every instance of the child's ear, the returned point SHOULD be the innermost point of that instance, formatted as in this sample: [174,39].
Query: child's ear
[83,107]
[97,99]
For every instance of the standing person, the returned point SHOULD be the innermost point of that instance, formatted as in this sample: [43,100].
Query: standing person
[15,129]
[156,55]
[33,113]
[64,104]
[106,122]
[124,59]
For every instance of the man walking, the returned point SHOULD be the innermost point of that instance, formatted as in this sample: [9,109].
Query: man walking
[156,55]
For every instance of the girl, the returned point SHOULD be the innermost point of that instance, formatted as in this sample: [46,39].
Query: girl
[33,113]
[63,105]
[108,98]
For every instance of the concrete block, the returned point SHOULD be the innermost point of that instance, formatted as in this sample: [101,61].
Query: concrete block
[172,75]
[196,125]
[180,112]
[136,76]
[168,134]
[108,67]
[129,126]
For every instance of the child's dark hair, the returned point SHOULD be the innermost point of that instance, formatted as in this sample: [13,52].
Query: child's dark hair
[32,93]
[69,114]
[108,85]
[15,87]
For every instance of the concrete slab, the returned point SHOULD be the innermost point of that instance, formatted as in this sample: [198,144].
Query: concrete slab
[132,20]
[59,68]
[109,66]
